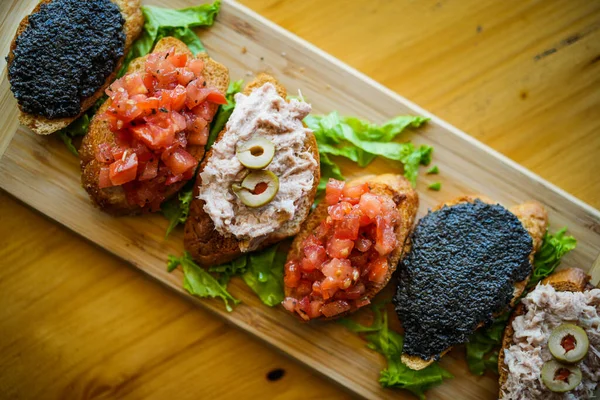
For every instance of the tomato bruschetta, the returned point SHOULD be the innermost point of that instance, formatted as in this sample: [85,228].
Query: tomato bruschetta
[350,245]
[147,139]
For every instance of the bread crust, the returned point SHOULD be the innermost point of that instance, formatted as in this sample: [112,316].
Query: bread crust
[566,280]
[206,245]
[113,199]
[395,187]
[534,219]
[134,22]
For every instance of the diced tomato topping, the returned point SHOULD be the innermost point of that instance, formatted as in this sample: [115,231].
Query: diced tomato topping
[178,160]
[345,256]
[216,97]
[150,170]
[153,122]
[104,178]
[378,270]
[338,211]
[333,191]
[291,274]
[386,238]
[124,170]
[339,248]
[352,194]
[315,255]
[362,244]
[335,308]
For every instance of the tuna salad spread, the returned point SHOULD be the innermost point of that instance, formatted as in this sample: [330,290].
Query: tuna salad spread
[548,309]
[264,118]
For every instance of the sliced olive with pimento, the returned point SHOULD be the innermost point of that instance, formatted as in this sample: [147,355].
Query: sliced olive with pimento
[256,153]
[257,189]
[568,343]
[559,377]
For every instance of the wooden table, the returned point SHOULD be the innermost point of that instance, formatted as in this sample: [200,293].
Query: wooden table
[521,76]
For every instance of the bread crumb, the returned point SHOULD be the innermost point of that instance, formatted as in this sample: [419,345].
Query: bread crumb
[248,73]
[302,69]
[283,54]
[244,50]
[328,87]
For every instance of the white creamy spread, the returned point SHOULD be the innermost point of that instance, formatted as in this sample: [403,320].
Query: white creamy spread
[547,309]
[265,114]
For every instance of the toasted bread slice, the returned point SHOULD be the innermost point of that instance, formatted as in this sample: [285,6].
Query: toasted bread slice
[395,187]
[134,22]
[566,280]
[206,245]
[534,218]
[112,199]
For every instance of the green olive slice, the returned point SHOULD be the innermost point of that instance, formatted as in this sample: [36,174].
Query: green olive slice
[568,343]
[257,189]
[559,377]
[256,153]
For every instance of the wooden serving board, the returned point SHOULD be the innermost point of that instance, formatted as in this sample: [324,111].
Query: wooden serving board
[42,173]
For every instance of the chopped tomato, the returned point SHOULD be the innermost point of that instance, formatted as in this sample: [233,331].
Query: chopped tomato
[370,205]
[291,274]
[124,170]
[347,253]
[362,244]
[150,170]
[348,227]
[333,191]
[104,178]
[206,110]
[216,97]
[315,255]
[339,248]
[338,211]
[352,194]
[386,238]
[378,270]
[172,100]
[196,66]
[153,126]
[335,308]
[178,160]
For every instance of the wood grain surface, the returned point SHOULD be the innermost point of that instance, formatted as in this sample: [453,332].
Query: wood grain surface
[78,323]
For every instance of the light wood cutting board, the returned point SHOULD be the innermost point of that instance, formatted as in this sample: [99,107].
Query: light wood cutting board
[42,173]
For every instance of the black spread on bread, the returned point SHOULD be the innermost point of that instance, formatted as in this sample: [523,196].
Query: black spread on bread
[65,54]
[463,264]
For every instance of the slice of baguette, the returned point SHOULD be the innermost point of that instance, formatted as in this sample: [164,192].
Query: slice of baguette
[534,218]
[134,22]
[206,245]
[566,280]
[395,187]
[112,199]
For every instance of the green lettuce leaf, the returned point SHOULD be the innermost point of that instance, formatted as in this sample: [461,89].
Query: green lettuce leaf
[483,346]
[362,141]
[261,270]
[177,209]
[198,282]
[390,343]
[162,22]
[554,247]
[227,271]
[224,112]
[264,275]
